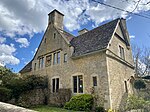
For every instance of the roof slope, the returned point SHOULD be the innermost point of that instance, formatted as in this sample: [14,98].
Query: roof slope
[66,35]
[27,68]
[96,39]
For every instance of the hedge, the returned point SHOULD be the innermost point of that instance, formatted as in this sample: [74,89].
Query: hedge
[5,94]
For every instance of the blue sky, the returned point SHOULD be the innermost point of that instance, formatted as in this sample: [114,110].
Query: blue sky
[23,22]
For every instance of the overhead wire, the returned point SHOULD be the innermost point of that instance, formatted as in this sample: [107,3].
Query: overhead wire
[117,8]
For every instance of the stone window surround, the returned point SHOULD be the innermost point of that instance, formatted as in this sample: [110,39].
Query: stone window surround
[55,77]
[41,62]
[48,62]
[52,59]
[65,57]
[94,75]
[119,45]
[56,58]
[77,74]
[125,86]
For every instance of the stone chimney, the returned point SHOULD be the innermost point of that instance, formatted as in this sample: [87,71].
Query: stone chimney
[80,32]
[56,18]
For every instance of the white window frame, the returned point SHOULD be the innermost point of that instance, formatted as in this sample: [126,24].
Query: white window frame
[121,51]
[55,78]
[72,83]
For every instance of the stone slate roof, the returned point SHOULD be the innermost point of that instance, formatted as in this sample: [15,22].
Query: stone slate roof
[27,68]
[66,35]
[94,40]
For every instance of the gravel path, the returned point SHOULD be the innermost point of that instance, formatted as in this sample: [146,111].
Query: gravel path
[4,107]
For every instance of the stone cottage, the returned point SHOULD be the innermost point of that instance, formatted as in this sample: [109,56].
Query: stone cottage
[100,58]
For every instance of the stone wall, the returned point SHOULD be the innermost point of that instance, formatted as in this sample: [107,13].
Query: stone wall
[4,107]
[119,72]
[60,98]
[33,97]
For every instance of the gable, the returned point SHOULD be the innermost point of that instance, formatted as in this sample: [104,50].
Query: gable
[121,32]
[50,42]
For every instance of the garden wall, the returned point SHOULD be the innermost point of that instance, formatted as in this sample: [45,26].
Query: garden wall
[59,98]
[33,97]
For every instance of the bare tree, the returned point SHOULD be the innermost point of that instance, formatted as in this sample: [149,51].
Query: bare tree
[142,61]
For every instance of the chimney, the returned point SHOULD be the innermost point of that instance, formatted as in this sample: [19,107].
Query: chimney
[80,32]
[56,18]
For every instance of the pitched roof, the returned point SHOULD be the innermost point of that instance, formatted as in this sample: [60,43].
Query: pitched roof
[94,40]
[66,35]
[27,68]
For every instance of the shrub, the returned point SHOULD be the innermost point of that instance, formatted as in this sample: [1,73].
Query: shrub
[82,102]
[100,109]
[139,84]
[33,81]
[134,102]
[5,94]
[110,110]
[19,85]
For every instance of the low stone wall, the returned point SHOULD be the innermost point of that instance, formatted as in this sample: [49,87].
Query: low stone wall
[60,98]
[4,107]
[33,97]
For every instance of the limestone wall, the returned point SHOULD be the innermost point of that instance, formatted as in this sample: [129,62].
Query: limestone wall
[33,97]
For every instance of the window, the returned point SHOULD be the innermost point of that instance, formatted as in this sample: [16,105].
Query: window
[78,84]
[121,52]
[41,62]
[45,40]
[34,66]
[55,85]
[58,57]
[65,57]
[126,88]
[55,59]
[54,35]
[95,81]
[48,60]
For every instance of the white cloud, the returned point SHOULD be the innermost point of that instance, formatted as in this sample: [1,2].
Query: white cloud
[2,64]
[132,36]
[33,52]
[2,40]
[7,54]
[30,16]
[23,41]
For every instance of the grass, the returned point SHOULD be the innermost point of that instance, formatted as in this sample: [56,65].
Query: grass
[43,108]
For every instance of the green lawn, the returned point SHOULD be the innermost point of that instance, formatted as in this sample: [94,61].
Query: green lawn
[50,109]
